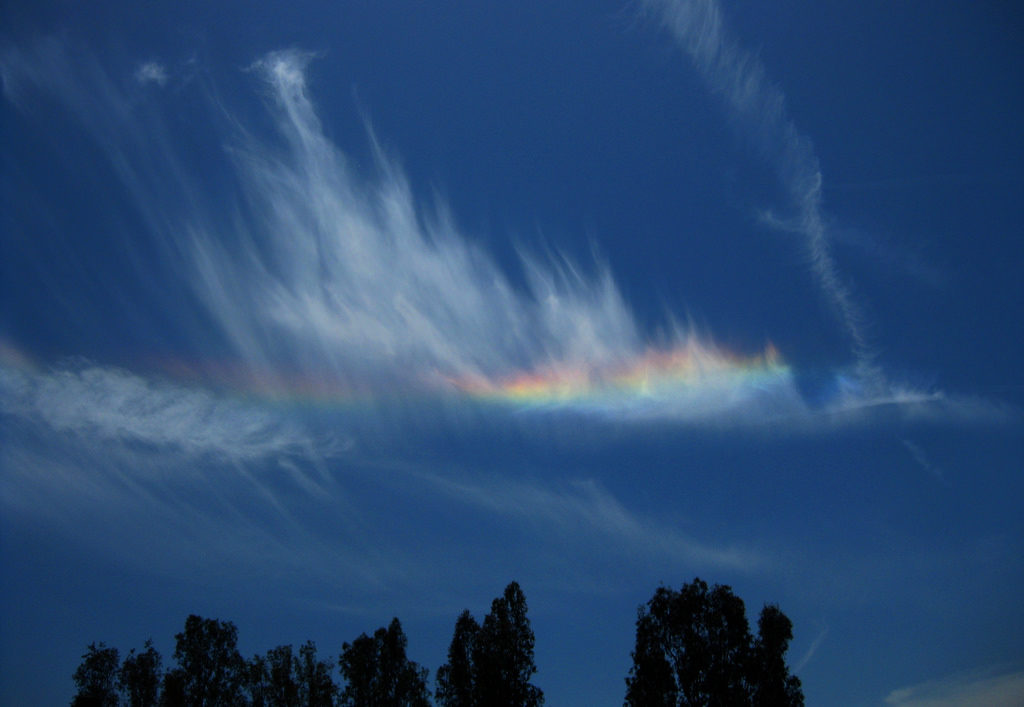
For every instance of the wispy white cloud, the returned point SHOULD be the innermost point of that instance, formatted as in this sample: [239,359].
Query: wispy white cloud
[899,260]
[112,405]
[348,273]
[342,277]
[47,68]
[811,650]
[760,108]
[585,511]
[151,72]
[198,502]
[922,459]
[989,688]
[212,519]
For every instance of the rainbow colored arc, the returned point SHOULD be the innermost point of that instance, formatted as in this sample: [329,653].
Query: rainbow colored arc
[689,368]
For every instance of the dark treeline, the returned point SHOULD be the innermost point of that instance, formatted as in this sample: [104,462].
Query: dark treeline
[693,647]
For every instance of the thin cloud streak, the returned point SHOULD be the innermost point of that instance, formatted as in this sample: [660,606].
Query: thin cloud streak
[584,511]
[159,513]
[247,512]
[108,405]
[739,77]
[922,459]
[811,650]
[985,688]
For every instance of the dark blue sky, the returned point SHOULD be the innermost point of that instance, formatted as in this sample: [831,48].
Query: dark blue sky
[315,317]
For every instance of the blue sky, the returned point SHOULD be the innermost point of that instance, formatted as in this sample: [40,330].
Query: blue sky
[313,317]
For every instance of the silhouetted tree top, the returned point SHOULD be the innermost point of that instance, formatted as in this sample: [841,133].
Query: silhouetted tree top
[271,679]
[211,671]
[492,663]
[316,686]
[139,677]
[172,691]
[694,647]
[96,678]
[775,686]
[455,679]
[377,672]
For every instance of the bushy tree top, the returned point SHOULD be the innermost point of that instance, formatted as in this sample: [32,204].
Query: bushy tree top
[694,647]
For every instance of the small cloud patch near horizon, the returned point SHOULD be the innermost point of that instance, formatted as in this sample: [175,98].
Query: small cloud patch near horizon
[992,690]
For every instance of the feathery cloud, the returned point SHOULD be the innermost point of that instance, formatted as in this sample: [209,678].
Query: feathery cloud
[328,275]
[107,405]
[922,459]
[151,72]
[585,512]
[350,275]
[993,690]
[760,108]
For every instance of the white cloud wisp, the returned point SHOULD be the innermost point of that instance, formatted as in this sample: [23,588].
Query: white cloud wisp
[991,690]
[108,405]
[151,72]
[760,108]
[348,279]
[347,275]
[333,286]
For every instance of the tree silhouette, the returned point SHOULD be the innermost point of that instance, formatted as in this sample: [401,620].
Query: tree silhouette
[377,672]
[172,692]
[257,678]
[139,677]
[316,687]
[774,686]
[491,664]
[488,664]
[694,647]
[283,679]
[96,678]
[455,681]
[210,670]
